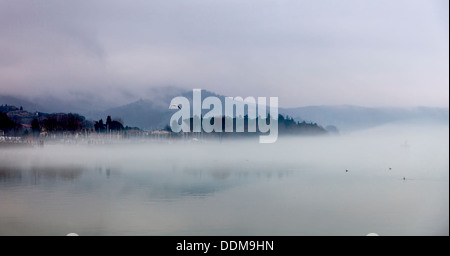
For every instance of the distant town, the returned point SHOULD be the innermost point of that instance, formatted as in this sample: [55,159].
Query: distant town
[19,126]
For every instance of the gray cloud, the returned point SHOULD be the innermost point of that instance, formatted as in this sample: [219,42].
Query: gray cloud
[306,52]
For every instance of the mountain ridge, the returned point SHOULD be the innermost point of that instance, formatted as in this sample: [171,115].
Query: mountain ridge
[153,113]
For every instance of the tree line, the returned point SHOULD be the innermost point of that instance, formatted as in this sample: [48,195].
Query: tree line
[110,125]
[35,123]
[286,125]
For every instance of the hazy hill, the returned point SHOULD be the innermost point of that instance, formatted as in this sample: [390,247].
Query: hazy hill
[22,102]
[348,118]
[148,114]
[151,112]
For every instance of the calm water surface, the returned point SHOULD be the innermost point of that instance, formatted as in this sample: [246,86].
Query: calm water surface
[293,187]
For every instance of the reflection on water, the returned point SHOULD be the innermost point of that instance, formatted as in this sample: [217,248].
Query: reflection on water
[36,174]
[8,174]
[293,187]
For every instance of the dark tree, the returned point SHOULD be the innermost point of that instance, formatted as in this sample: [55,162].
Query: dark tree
[99,126]
[115,126]
[35,127]
[108,121]
[6,124]
[51,124]
[73,122]
[166,128]
[109,125]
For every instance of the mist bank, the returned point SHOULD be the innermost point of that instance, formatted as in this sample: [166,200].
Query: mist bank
[393,152]
[391,180]
[383,138]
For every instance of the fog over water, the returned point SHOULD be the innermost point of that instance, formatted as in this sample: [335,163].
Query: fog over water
[396,183]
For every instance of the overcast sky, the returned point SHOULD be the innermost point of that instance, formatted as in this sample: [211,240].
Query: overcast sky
[369,53]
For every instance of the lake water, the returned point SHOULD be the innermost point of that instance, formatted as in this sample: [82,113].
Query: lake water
[297,186]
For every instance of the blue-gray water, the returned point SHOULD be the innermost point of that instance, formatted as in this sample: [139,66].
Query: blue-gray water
[297,186]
